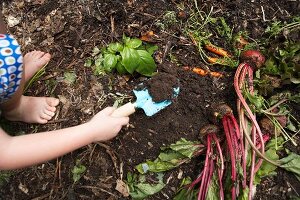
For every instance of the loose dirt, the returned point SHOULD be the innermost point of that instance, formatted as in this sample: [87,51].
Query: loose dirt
[69,30]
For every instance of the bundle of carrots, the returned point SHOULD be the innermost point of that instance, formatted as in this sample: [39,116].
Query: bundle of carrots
[218,51]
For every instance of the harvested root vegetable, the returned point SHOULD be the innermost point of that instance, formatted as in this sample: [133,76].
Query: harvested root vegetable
[203,72]
[216,50]
[214,163]
[250,61]
[253,58]
[235,146]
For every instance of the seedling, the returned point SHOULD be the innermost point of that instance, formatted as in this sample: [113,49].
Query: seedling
[129,57]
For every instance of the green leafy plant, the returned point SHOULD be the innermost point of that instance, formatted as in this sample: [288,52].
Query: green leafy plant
[172,156]
[4,177]
[128,57]
[139,188]
[77,171]
[284,62]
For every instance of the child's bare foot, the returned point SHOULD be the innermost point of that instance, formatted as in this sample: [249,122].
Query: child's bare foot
[33,110]
[33,61]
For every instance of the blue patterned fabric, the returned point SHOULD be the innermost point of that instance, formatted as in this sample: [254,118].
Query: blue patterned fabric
[11,66]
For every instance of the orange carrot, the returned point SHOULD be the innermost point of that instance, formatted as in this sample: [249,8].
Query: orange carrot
[216,50]
[200,71]
[203,72]
[212,60]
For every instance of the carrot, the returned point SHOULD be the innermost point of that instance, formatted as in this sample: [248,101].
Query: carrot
[216,50]
[203,72]
[212,59]
[215,60]
[200,71]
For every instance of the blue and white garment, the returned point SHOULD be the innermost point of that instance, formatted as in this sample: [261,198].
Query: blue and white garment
[11,66]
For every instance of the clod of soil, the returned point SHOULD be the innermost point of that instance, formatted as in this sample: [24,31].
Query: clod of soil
[161,86]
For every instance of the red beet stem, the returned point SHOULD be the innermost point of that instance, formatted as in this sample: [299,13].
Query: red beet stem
[246,107]
[220,170]
[205,170]
[229,141]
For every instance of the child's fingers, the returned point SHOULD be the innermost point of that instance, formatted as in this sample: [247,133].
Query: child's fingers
[108,110]
[124,120]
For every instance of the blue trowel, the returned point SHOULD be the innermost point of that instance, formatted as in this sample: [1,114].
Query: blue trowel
[145,102]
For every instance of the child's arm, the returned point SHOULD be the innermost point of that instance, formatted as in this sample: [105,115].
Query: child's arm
[26,150]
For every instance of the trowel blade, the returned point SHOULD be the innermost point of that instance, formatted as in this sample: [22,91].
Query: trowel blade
[145,102]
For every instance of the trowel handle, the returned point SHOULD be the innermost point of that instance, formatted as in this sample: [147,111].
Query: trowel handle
[124,111]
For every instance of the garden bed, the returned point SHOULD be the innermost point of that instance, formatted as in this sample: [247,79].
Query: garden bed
[70,31]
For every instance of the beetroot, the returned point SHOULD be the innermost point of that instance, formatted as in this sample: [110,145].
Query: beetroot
[253,58]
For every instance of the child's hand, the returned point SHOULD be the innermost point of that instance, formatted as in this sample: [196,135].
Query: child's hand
[106,127]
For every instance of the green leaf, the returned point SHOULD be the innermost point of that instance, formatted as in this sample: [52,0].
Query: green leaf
[267,168]
[88,62]
[256,100]
[120,68]
[186,148]
[292,163]
[115,47]
[213,188]
[96,51]
[130,59]
[78,171]
[133,43]
[99,60]
[271,67]
[147,64]
[244,195]
[4,177]
[171,157]
[125,39]
[140,189]
[151,48]
[156,166]
[69,77]
[110,61]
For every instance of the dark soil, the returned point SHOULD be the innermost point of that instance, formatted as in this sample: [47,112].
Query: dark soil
[70,30]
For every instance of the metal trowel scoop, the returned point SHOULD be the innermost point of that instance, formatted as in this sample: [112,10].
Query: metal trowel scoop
[145,102]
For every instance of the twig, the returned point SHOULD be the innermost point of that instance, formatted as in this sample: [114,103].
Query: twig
[98,188]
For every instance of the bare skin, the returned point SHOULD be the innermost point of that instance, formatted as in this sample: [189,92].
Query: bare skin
[26,108]
[30,149]
[33,61]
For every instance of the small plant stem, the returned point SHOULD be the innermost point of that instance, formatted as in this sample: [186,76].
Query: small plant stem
[244,164]
[269,110]
[272,114]
[195,182]
[285,134]
[221,170]
[231,152]
[253,156]
[201,193]
[237,83]
[256,150]
[245,105]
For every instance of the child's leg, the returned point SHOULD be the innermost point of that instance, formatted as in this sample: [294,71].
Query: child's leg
[15,106]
